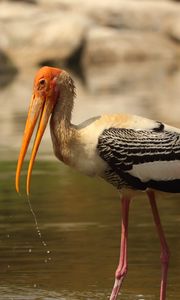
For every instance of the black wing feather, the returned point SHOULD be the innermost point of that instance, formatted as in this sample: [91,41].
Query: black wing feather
[122,148]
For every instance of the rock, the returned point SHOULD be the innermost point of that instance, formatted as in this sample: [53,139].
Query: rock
[109,46]
[123,77]
[135,15]
[173,29]
[30,35]
[51,32]
[26,1]
[132,14]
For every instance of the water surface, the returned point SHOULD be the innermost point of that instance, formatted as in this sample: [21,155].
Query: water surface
[79,219]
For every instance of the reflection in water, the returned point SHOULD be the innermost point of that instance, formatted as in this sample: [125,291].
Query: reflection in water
[79,218]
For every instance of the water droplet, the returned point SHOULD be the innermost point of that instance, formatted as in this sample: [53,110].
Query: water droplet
[44,244]
[36,223]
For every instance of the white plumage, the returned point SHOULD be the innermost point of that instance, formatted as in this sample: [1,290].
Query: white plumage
[158,170]
[89,161]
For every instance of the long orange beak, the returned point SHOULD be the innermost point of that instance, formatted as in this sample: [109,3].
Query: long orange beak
[41,108]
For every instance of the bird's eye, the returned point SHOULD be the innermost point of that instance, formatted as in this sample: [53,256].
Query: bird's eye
[42,82]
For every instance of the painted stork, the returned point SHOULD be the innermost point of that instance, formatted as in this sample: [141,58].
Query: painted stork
[130,152]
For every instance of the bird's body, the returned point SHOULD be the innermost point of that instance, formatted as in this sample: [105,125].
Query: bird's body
[126,150]
[130,152]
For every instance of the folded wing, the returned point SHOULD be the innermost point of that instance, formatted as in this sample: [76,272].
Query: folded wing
[147,158]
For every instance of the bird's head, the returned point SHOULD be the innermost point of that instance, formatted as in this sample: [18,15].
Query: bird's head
[46,92]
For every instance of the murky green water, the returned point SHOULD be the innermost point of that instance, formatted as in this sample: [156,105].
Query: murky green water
[79,219]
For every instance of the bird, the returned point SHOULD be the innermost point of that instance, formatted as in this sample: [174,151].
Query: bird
[130,152]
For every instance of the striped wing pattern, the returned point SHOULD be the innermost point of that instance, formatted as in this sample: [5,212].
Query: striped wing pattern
[132,154]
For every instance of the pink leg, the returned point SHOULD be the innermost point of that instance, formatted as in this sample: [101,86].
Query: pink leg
[122,266]
[164,247]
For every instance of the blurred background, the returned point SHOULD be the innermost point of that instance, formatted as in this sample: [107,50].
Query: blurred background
[124,56]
